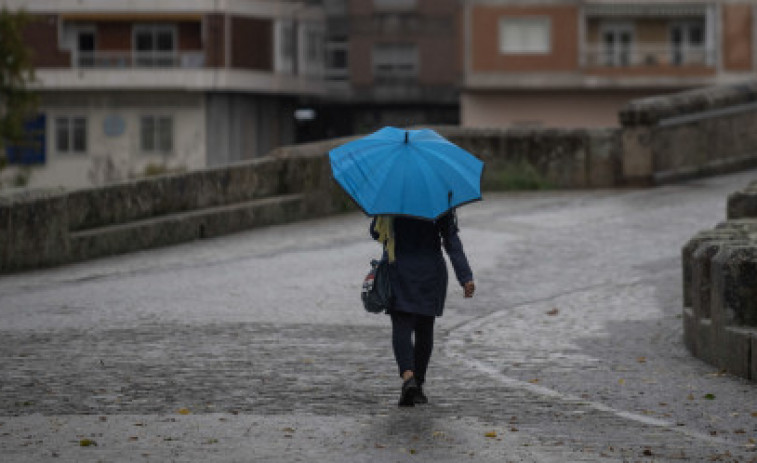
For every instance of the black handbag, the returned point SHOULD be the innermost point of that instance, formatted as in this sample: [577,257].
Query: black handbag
[377,293]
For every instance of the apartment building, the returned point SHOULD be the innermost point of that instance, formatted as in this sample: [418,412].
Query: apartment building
[389,62]
[574,63]
[129,88]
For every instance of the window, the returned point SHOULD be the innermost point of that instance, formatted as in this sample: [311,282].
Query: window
[155,45]
[687,43]
[395,61]
[336,59]
[314,46]
[71,134]
[617,44]
[85,48]
[525,35]
[156,134]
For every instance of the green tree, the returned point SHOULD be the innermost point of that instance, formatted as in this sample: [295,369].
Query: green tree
[17,102]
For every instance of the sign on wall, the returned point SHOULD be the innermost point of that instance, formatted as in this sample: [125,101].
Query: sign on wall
[32,149]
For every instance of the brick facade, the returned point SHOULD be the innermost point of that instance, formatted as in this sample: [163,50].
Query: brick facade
[252,43]
[41,35]
[484,29]
[737,34]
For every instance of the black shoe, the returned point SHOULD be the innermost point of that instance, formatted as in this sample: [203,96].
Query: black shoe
[420,397]
[409,392]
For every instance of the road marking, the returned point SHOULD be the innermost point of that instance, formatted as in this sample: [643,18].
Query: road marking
[450,343]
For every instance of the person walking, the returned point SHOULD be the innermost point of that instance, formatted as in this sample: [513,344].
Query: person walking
[418,280]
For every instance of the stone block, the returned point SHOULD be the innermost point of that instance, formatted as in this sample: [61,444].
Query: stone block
[701,287]
[603,162]
[690,325]
[747,225]
[742,204]
[734,286]
[733,350]
[33,232]
[183,227]
[705,335]
[753,365]
[637,158]
[691,246]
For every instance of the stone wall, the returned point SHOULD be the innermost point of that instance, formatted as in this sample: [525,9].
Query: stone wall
[558,158]
[662,139]
[292,183]
[47,228]
[699,132]
[720,289]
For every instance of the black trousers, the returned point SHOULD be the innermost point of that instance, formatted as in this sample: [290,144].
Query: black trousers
[410,354]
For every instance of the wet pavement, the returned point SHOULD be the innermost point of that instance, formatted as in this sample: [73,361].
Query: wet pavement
[254,347]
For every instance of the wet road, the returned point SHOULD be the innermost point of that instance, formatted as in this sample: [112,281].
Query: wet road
[255,347]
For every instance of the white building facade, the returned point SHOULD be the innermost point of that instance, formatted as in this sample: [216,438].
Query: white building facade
[129,89]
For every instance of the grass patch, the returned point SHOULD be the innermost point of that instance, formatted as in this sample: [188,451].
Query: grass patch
[154,170]
[518,175]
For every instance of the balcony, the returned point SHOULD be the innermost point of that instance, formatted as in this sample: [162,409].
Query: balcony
[138,59]
[648,55]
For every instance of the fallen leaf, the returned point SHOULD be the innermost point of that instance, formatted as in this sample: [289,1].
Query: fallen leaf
[739,431]
[379,446]
[642,360]
[621,381]
[647,452]
[287,429]
[709,396]
[133,438]
[514,429]
[491,434]
[533,381]
[413,451]
[690,397]
[754,414]
[184,411]
[87,443]
[553,312]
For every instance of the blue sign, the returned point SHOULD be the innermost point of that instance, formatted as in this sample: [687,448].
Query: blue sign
[32,149]
[114,125]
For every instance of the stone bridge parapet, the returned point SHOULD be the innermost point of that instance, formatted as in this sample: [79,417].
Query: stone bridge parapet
[720,289]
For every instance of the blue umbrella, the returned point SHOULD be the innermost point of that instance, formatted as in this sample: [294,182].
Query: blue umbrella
[407,172]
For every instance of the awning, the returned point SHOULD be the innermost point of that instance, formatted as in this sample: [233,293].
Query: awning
[646,9]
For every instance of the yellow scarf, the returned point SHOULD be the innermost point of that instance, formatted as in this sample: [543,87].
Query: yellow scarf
[385,230]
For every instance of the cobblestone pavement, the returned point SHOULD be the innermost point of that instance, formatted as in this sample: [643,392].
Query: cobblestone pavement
[254,347]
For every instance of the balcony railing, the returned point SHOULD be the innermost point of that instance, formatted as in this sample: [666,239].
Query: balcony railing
[648,55]
[139,59]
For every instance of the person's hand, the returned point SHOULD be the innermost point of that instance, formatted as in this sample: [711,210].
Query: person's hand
[469,288]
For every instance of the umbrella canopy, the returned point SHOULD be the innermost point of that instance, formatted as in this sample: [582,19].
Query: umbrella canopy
[407,172]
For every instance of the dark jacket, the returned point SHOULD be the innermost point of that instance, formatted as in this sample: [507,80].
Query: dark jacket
[418,276]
